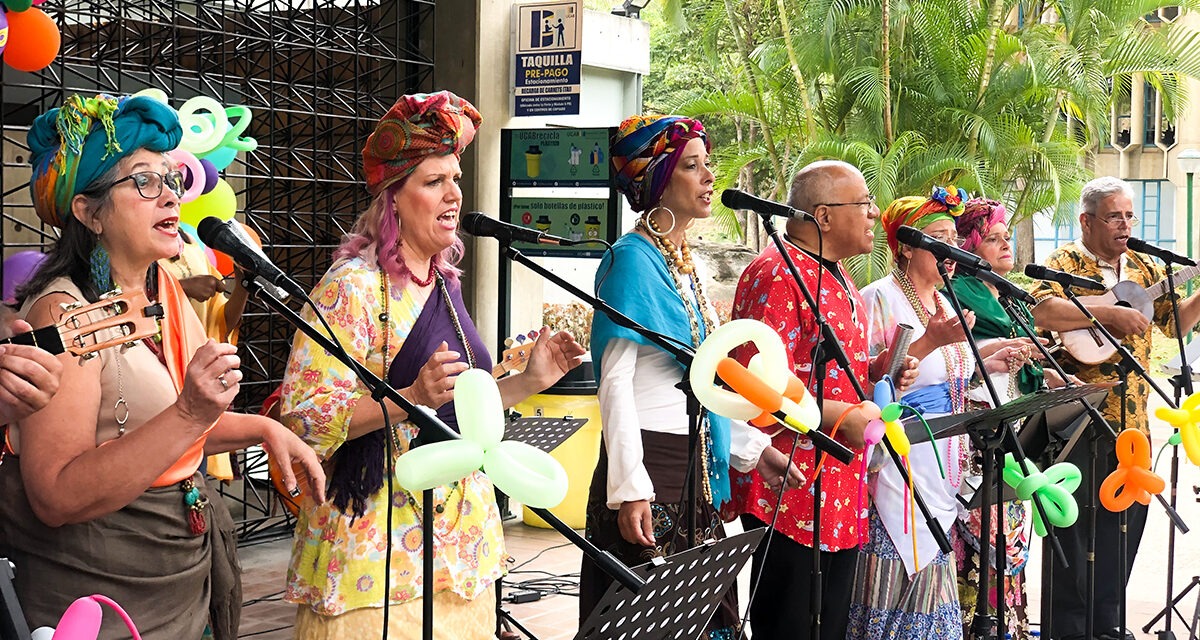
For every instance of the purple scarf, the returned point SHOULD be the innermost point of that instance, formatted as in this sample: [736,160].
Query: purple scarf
[358,472]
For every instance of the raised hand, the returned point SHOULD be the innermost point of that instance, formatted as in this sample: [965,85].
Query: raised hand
[210,383]
[434,385]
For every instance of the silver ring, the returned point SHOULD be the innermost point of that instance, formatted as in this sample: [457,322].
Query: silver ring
[224,383]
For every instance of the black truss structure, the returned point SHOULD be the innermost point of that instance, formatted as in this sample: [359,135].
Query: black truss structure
[317,75]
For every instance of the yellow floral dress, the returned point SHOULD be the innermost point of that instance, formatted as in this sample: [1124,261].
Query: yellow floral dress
[1136,268]
[337,560]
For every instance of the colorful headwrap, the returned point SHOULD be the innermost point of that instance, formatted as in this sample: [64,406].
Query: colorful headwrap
[417,126]
[645,150]
[74,145]
[917,212]
[979,215]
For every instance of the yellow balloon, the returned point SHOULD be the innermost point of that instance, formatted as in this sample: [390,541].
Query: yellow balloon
[220,202]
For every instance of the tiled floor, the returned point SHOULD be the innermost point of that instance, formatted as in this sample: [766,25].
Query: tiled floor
[543,553]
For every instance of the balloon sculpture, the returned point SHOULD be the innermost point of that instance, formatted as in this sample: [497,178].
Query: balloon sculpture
[524,472]
[1187,420]
[1053,487]
[18,269]
[1132,480]
[81,621]
[29,39]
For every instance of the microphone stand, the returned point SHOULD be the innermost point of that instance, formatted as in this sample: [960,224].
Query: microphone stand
[828,347]
[431,430]
[981,624]
[1183,385]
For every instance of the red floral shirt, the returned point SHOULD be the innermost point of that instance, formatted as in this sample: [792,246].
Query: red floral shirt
[767,292]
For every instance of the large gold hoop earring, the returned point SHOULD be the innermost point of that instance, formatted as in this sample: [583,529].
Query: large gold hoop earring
[652,229]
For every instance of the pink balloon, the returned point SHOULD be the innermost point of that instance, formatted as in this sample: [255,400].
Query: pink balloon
[193,173]
[212,257]
[874,432]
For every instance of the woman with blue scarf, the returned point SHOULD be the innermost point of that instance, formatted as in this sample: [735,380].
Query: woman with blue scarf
[906,586]
[637,507]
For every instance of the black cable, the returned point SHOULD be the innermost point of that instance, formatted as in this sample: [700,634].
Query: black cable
[273,597]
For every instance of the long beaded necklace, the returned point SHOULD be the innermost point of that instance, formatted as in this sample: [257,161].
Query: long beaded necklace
[680,263]
[958,370]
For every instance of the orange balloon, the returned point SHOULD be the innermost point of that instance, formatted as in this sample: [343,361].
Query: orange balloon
[224,263]
[33,40]
[252,233]
[1132,480]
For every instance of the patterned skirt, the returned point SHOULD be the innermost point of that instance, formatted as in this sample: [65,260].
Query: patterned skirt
[889,605]
[966,547]
[672,533]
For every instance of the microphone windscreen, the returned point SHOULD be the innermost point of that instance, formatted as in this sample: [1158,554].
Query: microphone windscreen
[909,236]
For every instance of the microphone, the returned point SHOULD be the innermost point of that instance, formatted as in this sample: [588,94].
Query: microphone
[228,237]
[939,249]
[1038,272]
[479,225]
[1003,286]
[1141,246]
[738,199]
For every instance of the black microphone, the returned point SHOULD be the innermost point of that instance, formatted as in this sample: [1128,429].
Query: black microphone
[1141,246]
[480,225]
[1003,286]
[939,249]
[228,237]
[1038,272]
[738,199]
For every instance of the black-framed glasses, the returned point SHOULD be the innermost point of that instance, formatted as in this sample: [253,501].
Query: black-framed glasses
[1117,218]
[150,183]
[868,202]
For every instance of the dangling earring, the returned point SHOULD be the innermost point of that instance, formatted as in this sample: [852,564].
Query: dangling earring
[101,269]
[653,228]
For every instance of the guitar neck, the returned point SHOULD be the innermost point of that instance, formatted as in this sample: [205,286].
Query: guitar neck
[1159,288]
[46,338]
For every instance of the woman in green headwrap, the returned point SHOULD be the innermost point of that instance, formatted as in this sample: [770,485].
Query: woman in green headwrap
[100,492]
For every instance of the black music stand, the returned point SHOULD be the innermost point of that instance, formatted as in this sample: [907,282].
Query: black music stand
[680,596]
[987,421]
[541,432]
[12,619]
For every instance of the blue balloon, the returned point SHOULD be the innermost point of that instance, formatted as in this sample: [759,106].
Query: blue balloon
[221,157]
[885,392]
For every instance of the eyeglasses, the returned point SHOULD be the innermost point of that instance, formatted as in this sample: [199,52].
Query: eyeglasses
[150,183]
[1116,219]
[949,239]
[868,202]
[998,239]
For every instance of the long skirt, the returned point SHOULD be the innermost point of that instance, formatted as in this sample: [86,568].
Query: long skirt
[454,618]
[966,548]
[144,557]
[890,605]
[666,457]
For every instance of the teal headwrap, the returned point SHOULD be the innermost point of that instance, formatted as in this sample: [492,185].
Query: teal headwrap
[74,145]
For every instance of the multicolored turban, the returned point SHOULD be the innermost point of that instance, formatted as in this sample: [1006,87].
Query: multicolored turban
[979,216]
[75,144]
[645,151]
[417,126]
[914,211]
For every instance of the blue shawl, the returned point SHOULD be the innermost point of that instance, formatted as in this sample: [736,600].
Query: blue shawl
[639,286]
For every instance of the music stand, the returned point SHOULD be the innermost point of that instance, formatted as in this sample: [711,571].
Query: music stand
[12,619]
[542,432]
[987,421]
[680,597]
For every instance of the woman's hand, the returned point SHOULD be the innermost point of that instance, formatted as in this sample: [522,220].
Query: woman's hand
[944,328]
[210,383]
[289,450]
[434,385]
[1008,358]
[636,523]
[774,467]
[551,358]
[29,377]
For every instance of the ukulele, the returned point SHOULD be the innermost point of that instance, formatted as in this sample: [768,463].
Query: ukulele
[131,315]
[515,358]
[1088,345]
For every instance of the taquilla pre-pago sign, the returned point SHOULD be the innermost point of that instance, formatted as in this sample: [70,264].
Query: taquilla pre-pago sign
[547,44]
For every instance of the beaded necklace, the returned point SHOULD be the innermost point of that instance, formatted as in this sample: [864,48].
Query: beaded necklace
[958,371]
[680,263]
[428,279]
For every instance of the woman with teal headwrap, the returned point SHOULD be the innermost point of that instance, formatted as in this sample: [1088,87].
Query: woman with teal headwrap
[100,491]
[637,507]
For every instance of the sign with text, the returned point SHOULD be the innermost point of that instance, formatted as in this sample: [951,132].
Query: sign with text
[571,218]
[548,48]
[556,157]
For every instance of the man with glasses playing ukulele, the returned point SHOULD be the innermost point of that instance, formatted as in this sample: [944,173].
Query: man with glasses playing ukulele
[1106,222]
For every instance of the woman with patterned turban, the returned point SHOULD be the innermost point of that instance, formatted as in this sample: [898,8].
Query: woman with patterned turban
[984,232]
[393,299]
[637,507]
[100,492]
[905,586]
